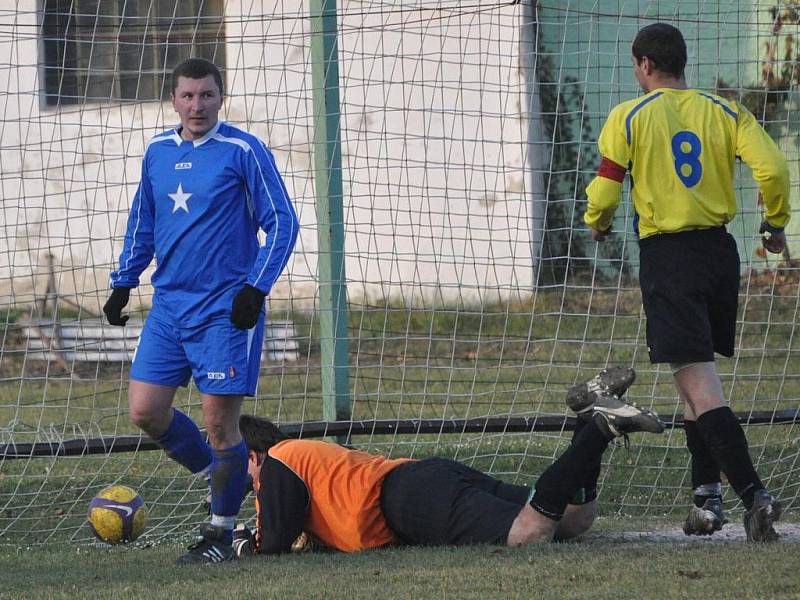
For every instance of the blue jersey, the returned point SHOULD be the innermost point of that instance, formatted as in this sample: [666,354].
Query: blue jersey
[198,210]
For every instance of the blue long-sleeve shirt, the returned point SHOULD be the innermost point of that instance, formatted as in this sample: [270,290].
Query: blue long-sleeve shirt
[198,210]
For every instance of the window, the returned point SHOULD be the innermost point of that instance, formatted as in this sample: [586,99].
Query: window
[101,50]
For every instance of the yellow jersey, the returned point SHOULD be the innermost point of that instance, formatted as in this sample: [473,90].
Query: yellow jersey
[680,146]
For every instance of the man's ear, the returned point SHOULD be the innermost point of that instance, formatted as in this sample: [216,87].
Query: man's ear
[647,65]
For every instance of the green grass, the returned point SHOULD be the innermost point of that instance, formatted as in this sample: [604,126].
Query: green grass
[440,362]
[595,568]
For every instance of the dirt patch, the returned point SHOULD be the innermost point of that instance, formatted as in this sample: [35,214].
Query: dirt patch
[732,532]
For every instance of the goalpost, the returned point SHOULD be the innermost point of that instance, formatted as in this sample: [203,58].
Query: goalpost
[475,295]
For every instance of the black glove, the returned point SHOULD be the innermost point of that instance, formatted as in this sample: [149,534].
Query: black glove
[116,302]
[247,307]
[772,238]
[244,540]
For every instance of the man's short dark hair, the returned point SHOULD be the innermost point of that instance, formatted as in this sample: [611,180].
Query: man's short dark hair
[260,434]
[664,45]
[196,68]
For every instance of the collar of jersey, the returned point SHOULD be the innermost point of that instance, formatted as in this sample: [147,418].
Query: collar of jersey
[200,141]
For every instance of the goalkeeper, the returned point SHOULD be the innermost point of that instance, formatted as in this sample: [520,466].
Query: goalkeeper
[680,146]
[351,500]
[206,189]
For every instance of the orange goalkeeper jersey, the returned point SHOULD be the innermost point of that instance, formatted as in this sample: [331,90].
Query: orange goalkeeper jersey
[324,489]
[680,147]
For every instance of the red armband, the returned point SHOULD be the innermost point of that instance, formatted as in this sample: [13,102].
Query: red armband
[611,170]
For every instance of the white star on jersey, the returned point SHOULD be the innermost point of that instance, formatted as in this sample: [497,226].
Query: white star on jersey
[180,197]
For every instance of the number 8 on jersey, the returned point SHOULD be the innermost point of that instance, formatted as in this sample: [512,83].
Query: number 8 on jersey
[686,148]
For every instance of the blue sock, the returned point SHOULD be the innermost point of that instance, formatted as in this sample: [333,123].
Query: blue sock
[183,443]
[228,480]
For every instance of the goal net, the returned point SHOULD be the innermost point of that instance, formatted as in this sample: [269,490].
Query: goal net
[476,296]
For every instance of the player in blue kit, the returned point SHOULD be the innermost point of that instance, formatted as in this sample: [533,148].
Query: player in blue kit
[206,189]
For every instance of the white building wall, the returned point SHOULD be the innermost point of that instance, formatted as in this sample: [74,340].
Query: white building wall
[432,140]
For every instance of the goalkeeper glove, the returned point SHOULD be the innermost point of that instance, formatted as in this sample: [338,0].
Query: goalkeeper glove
[247,307]
[772,238]
[116,302]
[244,541]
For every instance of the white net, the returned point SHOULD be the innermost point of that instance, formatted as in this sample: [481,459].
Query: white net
[468,135]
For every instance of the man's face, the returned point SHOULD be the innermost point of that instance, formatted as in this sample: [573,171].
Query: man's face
[254,467]
[197,102]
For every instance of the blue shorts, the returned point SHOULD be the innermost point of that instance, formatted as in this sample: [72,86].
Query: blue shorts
[224,360]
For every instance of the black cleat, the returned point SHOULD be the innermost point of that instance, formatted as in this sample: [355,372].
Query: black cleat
[617,419]
[613,381]
[759,519]
[209,549]
[706,519]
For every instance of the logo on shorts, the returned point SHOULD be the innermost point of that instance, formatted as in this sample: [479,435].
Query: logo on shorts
[184,165]
[215,375]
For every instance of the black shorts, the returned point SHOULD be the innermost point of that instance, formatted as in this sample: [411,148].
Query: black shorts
[690,291]
[437,501]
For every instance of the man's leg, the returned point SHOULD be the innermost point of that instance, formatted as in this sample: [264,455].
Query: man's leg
[229,465]
[700,385]
[228,479]
[607,418]
[706,514]
[539,520]
[577,520]
[582,510]
[150,407]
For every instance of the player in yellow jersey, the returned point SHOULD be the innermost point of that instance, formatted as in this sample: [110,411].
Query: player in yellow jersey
[680,145]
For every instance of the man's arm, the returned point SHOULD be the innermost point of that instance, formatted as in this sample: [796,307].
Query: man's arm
[275,215]
[139,246]
[282,506]
[603,193]
[770,171]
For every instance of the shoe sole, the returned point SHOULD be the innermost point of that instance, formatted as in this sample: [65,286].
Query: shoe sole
[629,419]
[765,517]
[613,380]
[706,523]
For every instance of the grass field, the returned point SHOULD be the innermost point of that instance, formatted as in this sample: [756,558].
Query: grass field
[452,362]
[595,568]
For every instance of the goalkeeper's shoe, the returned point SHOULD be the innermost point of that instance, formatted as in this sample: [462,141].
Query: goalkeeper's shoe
[616,418]
[613,381]
[759,519]
[706,519]
[210,548]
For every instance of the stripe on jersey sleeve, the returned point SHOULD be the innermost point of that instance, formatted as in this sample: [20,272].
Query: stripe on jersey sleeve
[611,170]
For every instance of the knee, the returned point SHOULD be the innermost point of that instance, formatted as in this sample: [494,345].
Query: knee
[578,519]
[530,527]
[153,420]
[222,433]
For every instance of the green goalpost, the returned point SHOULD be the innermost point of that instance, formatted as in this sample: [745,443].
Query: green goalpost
[443,294]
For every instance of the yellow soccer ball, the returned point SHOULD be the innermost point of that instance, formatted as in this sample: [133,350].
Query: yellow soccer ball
[117,515]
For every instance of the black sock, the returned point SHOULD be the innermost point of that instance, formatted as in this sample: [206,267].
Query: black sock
[588,489]
[728,444]
[705,469]
[558,484]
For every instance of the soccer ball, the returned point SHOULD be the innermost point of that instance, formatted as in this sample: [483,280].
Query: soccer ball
[117,515]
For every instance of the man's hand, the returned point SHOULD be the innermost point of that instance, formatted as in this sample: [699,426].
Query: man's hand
[600,236]
[244,541]
[246,307]
[773,241]
[114,305]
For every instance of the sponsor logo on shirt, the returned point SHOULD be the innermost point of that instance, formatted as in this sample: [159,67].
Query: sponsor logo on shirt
[186,165]
[215,375]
